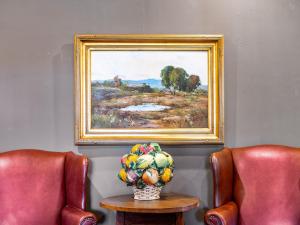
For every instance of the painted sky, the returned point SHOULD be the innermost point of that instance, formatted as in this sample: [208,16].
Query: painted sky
[140,65]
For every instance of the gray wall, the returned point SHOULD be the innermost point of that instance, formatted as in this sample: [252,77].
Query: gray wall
[262,78]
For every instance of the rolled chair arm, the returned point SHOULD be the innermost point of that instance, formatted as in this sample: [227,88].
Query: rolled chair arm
[226,214]
[75,216]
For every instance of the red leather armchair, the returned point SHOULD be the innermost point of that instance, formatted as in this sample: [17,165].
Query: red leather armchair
[257,185]
[43,188]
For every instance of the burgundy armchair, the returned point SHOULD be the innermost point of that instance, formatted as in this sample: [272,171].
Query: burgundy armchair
[43,188]
[257,185]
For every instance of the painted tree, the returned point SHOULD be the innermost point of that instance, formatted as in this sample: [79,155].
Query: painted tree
[165,76]
[178,79]
[174,78]
[192,83]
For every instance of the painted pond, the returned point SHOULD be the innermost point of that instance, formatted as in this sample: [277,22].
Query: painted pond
[145,107]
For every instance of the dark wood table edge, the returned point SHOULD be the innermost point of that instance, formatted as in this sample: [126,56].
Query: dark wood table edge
[166,210]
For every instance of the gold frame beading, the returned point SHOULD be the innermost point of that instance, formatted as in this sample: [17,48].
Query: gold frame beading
[84,44]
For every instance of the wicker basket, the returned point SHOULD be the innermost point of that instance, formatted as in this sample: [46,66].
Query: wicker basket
[147,193]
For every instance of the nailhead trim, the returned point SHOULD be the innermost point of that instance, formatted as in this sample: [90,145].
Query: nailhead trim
[214,220]
[88,221]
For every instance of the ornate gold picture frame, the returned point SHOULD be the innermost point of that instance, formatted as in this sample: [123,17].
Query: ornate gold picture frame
[149,88]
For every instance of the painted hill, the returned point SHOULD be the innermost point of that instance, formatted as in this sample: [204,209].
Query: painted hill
[151,82]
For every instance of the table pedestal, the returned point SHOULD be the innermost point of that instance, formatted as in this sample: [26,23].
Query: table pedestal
[129,218]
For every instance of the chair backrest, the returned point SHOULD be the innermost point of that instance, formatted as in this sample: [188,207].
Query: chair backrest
[32,189]
[266,184]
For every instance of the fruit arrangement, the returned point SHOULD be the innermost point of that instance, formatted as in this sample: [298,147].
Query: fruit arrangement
[146,164]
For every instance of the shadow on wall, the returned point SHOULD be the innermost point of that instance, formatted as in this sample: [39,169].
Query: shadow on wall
[192,176]
[101,217]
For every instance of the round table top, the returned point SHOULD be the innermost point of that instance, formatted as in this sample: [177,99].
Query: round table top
[168,203]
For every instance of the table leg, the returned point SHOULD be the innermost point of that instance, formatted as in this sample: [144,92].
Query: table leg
[120,218]
[127,218]
[179,218]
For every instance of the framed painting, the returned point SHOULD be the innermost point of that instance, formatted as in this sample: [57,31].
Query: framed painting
[149,88]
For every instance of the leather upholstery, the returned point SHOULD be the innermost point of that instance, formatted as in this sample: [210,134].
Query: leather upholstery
[265,185]
[75,216]
[37,185]
[223,174]
[76,171]
[226,214]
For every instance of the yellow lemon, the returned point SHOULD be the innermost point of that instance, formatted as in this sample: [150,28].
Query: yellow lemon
[122,175]
[135,148]
[131,158]
[167,175]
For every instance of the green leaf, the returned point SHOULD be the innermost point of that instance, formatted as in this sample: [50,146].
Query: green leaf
[160,184]
[140,184]
[156,147]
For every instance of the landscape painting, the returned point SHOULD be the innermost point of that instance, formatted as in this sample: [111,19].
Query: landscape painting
[143,88]
[149,89]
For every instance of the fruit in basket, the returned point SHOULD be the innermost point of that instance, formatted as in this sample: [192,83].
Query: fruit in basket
[146,165]
[169,158]
[131,161]
[144,161]
[122,175]
[132,176]
[166,175]
[135,149]
[161,160]
[150,176]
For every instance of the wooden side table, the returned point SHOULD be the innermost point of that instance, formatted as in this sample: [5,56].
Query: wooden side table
[168,210]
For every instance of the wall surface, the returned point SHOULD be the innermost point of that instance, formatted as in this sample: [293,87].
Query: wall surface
[262,78]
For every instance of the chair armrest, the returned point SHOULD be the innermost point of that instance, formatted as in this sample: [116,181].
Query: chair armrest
[226,214]
[75,216]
